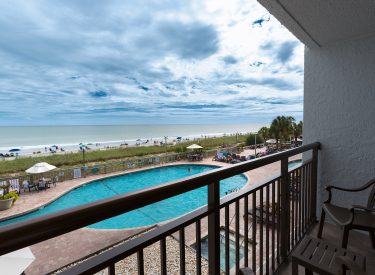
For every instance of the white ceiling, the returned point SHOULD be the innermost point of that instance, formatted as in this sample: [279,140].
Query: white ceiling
[325,22]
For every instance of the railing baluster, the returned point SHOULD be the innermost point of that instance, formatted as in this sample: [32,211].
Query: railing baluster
[254,231]
[237,230]
[112,269]
[198,247]
[267,229]
[214,228]
[278,220]
[299,203]
[314,172]
[246,228]
[227,255]
[140,262]
[182,250]
[309,194]
[285,215]
[292,196]
[273,226]
[163,256]
[261,232]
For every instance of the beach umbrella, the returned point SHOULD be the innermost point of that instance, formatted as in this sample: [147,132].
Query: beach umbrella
[15,150]
[40,167]
[16,262]
[194,146]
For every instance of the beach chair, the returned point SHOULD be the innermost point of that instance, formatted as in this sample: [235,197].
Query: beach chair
[14,186]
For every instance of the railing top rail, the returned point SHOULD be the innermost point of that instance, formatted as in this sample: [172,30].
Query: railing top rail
[28,232]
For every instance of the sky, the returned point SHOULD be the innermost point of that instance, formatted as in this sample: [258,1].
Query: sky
[68,62]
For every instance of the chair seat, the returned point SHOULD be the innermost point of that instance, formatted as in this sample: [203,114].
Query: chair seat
[341,215]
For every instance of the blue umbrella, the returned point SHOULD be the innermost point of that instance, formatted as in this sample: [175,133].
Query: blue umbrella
[15,150]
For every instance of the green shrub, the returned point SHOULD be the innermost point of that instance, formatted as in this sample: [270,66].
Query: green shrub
[9,195]
[250,139]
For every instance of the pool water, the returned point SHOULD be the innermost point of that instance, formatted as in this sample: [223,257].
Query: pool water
[148,215]
[294,164]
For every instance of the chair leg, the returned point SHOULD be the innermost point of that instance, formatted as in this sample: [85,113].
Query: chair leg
[321,223]
[345,236]
[372,238]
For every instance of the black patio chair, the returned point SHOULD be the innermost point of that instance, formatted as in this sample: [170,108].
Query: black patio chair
[357,217]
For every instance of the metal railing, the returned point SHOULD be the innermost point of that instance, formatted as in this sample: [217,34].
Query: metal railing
[281,212]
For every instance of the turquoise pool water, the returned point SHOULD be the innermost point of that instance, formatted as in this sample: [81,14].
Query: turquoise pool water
[130,182]
[148,215]
[294,164]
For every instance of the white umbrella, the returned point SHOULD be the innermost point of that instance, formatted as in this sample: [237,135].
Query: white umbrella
[16,262]
[40,167]
[271,141]
[194,146]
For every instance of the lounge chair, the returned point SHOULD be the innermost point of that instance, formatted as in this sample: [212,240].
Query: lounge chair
[357,217]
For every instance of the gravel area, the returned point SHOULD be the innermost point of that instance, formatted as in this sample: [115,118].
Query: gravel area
[152,260]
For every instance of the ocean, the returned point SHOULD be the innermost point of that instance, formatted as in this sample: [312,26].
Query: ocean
[36,137]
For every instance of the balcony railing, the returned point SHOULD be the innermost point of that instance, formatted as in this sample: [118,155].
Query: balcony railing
[266,220]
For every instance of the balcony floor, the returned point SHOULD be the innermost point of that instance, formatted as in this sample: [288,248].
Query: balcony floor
[358,243]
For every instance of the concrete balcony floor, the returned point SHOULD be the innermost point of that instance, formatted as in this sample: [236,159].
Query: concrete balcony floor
[359,242]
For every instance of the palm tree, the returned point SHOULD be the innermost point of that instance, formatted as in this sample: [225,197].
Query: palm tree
[264,132]
[281,127]
[297,130]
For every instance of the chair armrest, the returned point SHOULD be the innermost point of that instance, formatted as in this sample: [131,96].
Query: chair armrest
[361,188]
[345,262]
[363,208]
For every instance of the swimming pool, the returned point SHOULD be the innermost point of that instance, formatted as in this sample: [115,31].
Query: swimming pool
[148,215]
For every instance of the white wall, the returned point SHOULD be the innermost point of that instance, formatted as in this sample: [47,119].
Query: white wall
[339,111]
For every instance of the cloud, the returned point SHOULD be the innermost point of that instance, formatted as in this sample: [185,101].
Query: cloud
[285,51]
[230,60]
[189,40]
[89,62]
[196,106]
[99,93]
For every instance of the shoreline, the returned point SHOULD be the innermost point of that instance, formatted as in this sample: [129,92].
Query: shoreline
[45,149]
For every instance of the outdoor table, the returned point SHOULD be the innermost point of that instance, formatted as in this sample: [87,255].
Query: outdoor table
[318,256]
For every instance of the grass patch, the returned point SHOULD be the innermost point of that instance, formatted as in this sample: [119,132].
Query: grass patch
[67,160]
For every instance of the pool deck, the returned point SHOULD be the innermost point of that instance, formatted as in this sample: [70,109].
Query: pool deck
[59,251]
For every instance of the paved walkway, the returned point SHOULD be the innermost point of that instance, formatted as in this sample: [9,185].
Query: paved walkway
[59,251]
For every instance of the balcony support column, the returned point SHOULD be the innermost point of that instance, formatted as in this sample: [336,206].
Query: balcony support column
[214,228]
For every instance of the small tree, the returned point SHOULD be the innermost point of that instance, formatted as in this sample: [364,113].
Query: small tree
[297,130]
[250,139]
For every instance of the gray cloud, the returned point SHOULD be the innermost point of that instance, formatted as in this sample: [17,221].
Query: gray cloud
[230,60]
[285,51]
[91,61]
